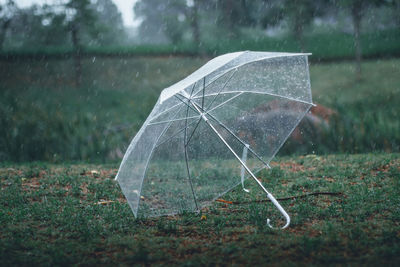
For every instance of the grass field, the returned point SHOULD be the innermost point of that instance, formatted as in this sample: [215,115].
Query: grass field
[44,117]
[325,46]
[52,215]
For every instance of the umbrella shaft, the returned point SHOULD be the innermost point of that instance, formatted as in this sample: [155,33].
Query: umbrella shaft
[228,146]
[269,195]
[236,156]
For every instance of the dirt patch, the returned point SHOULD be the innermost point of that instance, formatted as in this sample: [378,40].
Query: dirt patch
[292,166]
[84,189]
[307,228]
[30,184]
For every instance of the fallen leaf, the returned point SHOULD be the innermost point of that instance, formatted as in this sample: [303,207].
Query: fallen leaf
[104,202]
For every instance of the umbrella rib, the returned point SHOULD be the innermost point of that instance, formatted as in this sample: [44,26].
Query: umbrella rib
[151,153]
[230,131]
[226,143]
[198,122]
[223,87]
[205,112]
[191,135]
[242,92]
[237,138]
[222,125]
[178,131]
[186,153]
[165,111]
[261,93]
[189,100]
[204,88]
[215,79]
[174,135]
[225,102]
[290,132]
[180,119]
[162,133]
[174,106]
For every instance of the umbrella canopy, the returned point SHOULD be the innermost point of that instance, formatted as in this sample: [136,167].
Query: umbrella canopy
[215,128]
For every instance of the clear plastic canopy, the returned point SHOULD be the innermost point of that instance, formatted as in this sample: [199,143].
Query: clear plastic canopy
[236,110]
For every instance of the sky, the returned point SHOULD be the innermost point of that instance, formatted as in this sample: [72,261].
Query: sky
[124,6]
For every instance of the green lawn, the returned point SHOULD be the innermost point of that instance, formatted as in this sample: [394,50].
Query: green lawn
[51,215]
[325,46]
[43,117]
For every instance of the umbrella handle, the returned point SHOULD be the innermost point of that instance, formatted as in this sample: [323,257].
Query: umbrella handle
[284,213]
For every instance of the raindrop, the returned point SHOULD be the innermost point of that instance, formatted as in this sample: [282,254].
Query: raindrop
[190,3]
[137,74]
[181,17]
[93,59]
[46,22]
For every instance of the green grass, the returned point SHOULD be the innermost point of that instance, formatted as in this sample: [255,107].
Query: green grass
[324,46]
[44,117]
[50,216]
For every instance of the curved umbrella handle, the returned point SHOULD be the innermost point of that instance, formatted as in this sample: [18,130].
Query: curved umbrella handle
[284,213]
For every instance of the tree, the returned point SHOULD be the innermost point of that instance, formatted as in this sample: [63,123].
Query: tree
[39,26]
[79,16]
[396,5]
[356,9]
[175,20]
[193,7]
[234,14]
[298,13]
[7,12]
[162,21]
[109,26]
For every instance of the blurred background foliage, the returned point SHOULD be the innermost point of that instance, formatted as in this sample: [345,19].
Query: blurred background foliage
[198,27]
[76,83]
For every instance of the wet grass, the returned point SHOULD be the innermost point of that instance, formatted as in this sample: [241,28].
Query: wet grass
[326,46]
[44,117]
[52,215]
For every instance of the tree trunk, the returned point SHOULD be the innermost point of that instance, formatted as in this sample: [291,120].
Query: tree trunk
[356,16]
[246,16]
[77,55]
[298,33]
[227,9]
[3,32]
[195,23]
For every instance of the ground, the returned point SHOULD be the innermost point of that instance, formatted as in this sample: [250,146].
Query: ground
[59,214]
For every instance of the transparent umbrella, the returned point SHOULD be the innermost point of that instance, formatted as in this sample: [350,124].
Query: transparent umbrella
[209,132]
